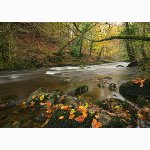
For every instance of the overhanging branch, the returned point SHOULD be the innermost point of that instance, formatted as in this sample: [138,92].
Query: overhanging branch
[140,38]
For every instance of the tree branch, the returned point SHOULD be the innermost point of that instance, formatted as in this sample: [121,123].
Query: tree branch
[140,38]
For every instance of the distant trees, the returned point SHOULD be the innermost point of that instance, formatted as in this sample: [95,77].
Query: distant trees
[35,44]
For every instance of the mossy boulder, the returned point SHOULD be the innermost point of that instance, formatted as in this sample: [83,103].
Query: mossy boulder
[135,93]
[121,113]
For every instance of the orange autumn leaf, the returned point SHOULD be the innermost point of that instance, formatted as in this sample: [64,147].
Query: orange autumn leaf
[48,115]
[49,104]
[96,124]
[48,111]
[79,118]
[84,115]
[139,80]
[61,117]
[32,103]
[65,107]
[71,116]
[82,109]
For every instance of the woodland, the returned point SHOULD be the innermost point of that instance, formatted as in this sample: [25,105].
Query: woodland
[36,45]
[74,74]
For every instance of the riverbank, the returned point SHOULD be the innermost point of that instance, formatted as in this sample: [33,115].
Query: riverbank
[56,110]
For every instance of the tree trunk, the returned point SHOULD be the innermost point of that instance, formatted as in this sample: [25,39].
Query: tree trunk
[129,46]
[91,48]
[142,45]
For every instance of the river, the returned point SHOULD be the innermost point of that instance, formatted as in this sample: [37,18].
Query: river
[17,85]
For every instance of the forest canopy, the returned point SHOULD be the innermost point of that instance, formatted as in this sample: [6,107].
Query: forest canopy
[36,45]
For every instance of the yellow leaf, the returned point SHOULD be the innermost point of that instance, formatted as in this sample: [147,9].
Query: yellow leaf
[82,109]
[65,107]
[41,97]
[61,117]
[86,105]
[72,111]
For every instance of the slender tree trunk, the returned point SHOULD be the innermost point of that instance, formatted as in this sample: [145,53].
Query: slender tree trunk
[100,53]
[129,46]
[81,44]
[142,45]
[91,48]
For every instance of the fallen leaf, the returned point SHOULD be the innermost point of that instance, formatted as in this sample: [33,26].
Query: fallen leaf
[48,111]
[48,104]
[61,117]
[96,124]
[79,118]
[72,111]
[71,116]
[86,105]
[97,116]
[82,109]
[65,107]
[41,97]
[139,80]
[84,115]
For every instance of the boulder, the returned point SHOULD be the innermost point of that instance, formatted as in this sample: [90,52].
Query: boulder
[113,86]
[119,66]
[79,90]
[133,64]
[135,93]
[102,83]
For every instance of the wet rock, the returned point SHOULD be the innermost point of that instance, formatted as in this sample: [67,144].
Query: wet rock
[67,80]
[119,66]
[7,105]
[8,125]
[109,78]
[79,90]
[102,83]
[133,64]
[81,66]
[14,112]
[40,117]
[27,124]
[122,113]
[135,93]
[113,87]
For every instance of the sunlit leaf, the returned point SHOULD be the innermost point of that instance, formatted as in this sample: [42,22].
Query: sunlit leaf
[86,105]
[41,97]
[71,116]
[65,107]
[85,115]
[61,117]
[80,119]
[96,124]
[48,104]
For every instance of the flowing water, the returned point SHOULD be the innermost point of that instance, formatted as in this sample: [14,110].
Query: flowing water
[18,85]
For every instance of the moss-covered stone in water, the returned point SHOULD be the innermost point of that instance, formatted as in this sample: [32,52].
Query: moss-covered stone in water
[122,113]
[135,93]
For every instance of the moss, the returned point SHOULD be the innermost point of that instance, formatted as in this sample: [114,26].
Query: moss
[135,93]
